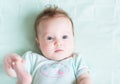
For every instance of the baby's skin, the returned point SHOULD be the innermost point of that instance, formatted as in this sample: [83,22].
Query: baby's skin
[15,68]
[22,74]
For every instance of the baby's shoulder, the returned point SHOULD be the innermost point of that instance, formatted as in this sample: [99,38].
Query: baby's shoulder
[32,55]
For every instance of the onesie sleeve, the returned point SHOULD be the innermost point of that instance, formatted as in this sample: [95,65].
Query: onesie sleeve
[29,61]
[80,65]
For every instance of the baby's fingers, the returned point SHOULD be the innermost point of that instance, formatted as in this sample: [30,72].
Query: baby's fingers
[7,62]
[10,59]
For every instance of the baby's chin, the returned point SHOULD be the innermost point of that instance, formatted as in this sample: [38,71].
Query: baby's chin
[59,57]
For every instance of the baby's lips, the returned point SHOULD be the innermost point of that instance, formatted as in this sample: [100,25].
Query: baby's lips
[58,50]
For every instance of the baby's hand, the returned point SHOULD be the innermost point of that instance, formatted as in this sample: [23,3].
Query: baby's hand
[23,76]
[14,66]
[9,62]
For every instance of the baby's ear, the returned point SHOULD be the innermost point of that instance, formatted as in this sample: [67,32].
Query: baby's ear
[37,41]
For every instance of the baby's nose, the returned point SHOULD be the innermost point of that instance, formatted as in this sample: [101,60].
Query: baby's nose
[58,43]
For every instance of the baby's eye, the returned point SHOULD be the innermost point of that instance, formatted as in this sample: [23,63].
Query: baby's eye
[49,38]
[65,37]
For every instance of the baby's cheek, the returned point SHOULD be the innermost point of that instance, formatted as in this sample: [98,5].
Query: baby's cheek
[49,46]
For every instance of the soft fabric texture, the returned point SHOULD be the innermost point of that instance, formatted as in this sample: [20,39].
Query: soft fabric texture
[45,71]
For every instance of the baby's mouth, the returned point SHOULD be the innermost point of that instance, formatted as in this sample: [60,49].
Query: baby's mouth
[59,50]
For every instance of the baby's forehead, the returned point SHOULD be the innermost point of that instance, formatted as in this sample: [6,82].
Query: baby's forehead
[44,18]
[56,24]
[46,21]
[56,21]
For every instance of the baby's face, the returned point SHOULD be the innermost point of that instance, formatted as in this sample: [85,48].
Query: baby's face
[55,38]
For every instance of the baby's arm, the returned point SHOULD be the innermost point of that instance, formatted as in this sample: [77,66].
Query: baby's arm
[84,79]
[23,76]
[14,68]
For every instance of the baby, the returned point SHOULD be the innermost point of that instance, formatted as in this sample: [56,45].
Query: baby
[58,64]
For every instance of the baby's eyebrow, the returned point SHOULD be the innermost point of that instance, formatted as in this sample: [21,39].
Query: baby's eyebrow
[46,34]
